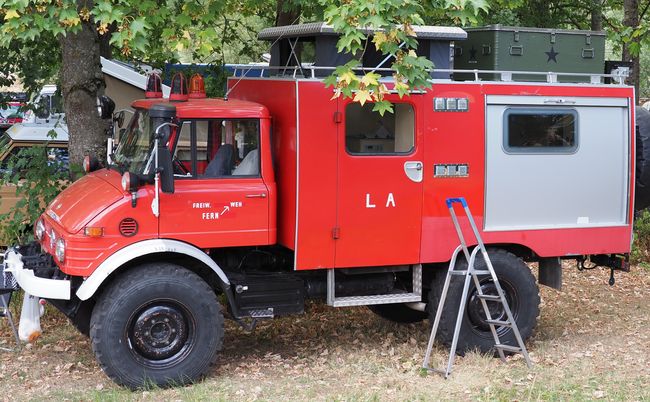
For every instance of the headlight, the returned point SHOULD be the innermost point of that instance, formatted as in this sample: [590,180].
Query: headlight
[126,181]
[40,229]
[60,250]
[52,238]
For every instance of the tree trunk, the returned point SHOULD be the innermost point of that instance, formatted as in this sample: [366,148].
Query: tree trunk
[286,15]
[631,19]
[81,81]
[105,48]
[596,15]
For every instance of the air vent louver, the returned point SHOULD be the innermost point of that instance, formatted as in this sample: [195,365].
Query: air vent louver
[128,227]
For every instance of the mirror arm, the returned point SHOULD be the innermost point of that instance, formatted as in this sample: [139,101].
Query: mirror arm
[155,204]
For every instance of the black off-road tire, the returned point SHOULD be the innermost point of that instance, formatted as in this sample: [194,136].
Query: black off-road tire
[398,313]
[522,294]
[158,324]
[642,176]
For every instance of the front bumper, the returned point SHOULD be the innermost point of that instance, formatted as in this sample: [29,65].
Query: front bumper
[46,288]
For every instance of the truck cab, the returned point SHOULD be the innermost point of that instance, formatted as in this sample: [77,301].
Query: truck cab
[222,177]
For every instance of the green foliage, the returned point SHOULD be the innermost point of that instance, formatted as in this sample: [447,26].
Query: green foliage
[392,22]
[462,12]
[37,180]
[641,245]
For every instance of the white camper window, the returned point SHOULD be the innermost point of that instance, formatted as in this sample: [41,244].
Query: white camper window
[540,131]
[369,133]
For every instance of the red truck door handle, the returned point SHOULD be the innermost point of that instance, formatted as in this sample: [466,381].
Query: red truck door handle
[413,170]
[262,195]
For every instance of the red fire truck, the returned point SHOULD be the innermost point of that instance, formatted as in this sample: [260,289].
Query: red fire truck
[250,205]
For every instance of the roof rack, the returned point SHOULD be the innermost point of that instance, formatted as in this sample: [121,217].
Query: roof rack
[322,28]
[617,76]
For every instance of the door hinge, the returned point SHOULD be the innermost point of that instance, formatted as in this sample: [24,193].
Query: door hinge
[336,233]
[338,117]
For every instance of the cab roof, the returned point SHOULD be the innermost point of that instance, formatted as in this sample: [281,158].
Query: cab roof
[209,108]
[38,132]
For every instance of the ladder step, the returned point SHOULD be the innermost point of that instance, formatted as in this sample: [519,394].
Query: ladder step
[508,348]
[464,272]
[490,297]
[499,323]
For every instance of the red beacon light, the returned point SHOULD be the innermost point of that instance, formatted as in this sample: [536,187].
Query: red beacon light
[197,87]
[179,88]
[154,86]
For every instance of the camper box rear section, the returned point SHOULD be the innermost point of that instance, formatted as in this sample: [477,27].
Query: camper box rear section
[546,169]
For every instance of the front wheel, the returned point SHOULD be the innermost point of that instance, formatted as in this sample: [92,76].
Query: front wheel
[521,292]
[157,325]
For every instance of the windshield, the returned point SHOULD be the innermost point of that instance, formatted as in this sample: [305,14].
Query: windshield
[133,152]
[10,111]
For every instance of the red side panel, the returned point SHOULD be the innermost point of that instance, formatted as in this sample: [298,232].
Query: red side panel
[318,176]
[459,137]
[451,138]
[280,99]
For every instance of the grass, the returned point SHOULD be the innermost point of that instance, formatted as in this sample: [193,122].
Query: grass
[592,342]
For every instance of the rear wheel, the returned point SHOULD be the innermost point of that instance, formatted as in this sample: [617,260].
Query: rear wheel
[521,292]
[642,174]
[399,313]
[157,325]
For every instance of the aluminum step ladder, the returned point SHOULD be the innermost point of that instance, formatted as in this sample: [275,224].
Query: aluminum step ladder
[473,273]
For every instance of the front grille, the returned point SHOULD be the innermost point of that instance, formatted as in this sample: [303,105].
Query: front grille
[7,280]
[128,227]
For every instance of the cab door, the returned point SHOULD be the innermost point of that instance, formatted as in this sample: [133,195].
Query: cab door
[380,171]
[220,198]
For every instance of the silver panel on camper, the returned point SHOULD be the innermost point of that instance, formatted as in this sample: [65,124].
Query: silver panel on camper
[581,184]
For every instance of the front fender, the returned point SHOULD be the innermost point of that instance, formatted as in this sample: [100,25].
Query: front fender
[129,253]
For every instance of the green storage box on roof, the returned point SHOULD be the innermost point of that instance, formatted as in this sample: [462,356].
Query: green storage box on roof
[504,48]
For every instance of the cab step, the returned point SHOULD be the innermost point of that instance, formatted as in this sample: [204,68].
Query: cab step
[376,299]
[262,313]
[391,298]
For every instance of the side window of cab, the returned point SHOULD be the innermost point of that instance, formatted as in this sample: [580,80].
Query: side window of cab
[218,148]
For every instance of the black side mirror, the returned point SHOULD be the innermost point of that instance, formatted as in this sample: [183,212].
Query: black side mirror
[105,107]
[166,170]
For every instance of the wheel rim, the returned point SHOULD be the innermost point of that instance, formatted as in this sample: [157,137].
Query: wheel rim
[476,315]
[161,333]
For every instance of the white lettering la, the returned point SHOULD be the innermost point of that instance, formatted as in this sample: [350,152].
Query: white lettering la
[390,200]
[368,204]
